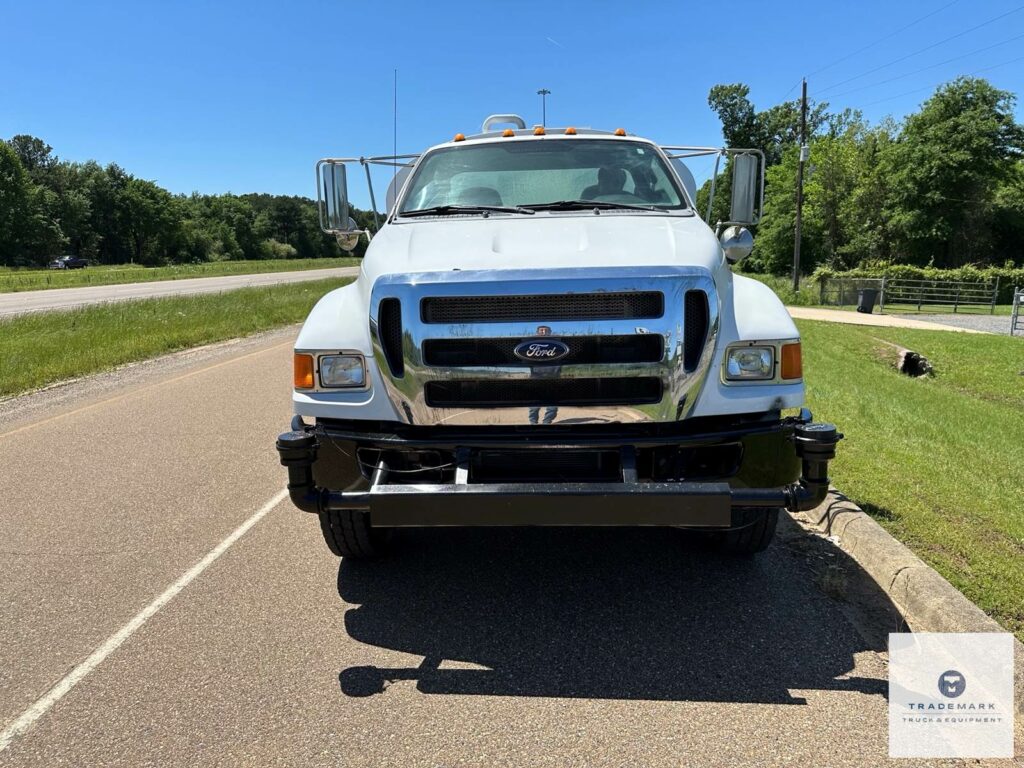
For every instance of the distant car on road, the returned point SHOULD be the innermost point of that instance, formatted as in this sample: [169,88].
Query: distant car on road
[68,262]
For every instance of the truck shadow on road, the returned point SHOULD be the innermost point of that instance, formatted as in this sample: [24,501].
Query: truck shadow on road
[596,613]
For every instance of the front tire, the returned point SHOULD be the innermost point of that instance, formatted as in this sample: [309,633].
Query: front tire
[348,534]
[756,533]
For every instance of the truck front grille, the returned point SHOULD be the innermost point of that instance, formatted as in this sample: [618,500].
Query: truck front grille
[583,350]
[389,326]
[468,393]
[695,328]
[635,305]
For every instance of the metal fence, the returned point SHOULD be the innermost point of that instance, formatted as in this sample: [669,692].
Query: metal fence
[844,291]
[840,291]
[1017,316]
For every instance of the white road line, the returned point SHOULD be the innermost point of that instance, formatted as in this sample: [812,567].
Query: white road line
[28,718]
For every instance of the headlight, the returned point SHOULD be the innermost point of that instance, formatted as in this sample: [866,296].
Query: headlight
[750,363]
[338,371]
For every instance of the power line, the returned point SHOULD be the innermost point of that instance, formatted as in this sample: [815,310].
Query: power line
[924,69]
[883,39]
[930,87]
[922,50]
[792,88]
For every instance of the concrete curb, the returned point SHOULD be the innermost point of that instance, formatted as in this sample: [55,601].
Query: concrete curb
[927,602]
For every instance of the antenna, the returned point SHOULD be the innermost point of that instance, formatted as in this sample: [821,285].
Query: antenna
[394,128]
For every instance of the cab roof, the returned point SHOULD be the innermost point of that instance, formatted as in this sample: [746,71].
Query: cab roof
[540,133]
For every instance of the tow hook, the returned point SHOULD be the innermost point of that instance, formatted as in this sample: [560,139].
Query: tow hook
[815,444]
[297,450]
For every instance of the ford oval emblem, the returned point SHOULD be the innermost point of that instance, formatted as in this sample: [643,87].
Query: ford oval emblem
[541,350]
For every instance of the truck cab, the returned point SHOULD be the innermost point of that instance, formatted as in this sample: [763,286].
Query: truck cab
[544,331]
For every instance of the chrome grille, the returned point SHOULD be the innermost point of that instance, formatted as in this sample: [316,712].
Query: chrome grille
[469,393]
[641,341]
[636,305]
[583,350]
[695,327]
[390,324]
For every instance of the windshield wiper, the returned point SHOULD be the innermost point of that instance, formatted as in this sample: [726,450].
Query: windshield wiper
[577,205]
[447,210]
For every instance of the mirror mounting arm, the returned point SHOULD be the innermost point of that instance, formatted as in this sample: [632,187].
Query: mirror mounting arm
[373,201]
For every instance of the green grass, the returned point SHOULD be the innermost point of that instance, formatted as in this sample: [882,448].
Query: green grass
[13,279]
[937,461]
[42,348]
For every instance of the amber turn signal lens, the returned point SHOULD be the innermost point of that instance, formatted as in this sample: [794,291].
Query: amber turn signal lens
[302,368]
[792,361]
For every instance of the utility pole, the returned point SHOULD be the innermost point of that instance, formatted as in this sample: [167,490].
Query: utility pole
[800,185]
[544,93]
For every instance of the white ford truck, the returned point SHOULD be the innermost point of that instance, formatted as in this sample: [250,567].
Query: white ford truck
[545,332]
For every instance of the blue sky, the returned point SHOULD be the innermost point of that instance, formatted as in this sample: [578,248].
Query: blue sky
[245,96]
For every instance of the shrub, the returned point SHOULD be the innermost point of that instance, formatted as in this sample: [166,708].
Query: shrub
[272,249]
[1008,276]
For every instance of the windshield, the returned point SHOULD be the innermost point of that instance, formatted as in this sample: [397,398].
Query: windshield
[525,173]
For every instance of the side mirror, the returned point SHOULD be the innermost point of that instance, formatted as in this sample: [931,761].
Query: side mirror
[332,197]
[744,189]
[737,243]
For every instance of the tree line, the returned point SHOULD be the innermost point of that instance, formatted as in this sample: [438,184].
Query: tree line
[50,207]
[942,188]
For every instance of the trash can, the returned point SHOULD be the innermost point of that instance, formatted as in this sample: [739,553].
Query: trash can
[866,298]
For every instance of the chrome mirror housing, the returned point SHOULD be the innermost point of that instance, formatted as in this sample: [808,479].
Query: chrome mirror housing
[332,198]
[737,243]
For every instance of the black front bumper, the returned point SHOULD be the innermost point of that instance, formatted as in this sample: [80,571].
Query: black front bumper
[452,486]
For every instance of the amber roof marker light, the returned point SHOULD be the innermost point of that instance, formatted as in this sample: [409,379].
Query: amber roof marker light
[508,132]
[538,130]
[570,131]
[459,137]
[620,131]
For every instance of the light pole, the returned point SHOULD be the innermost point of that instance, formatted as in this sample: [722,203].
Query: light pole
[544,93]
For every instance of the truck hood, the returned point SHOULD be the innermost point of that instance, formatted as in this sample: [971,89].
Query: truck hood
[542,241]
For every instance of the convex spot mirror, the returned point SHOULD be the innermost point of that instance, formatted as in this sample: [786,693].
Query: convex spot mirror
[744,189]
[737,243]
[349,239]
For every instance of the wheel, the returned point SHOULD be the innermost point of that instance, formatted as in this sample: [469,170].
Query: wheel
[348,534]
[756,533]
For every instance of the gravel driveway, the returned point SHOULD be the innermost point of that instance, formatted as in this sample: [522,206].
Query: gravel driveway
[988,323]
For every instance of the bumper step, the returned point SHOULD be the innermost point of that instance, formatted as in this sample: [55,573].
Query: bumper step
[625,503]
[666,504]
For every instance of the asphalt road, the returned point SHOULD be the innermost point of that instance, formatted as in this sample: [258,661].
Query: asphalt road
[160,605]
[67,298]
